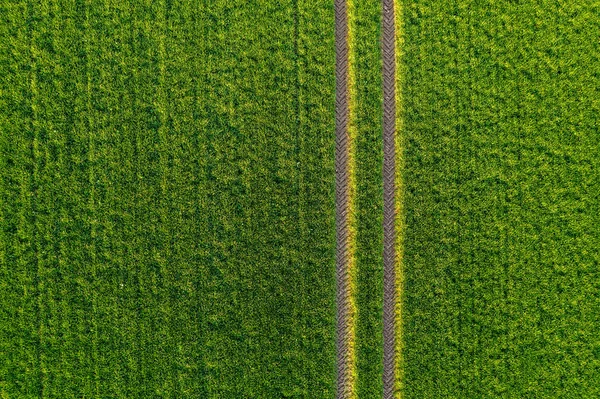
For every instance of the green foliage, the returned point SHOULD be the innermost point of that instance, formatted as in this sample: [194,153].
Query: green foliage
[167,200]
[167,205]
[369,198]
[501,125]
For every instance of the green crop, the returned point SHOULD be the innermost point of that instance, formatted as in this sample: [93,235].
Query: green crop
[167,204]
[501,199]
[167,199]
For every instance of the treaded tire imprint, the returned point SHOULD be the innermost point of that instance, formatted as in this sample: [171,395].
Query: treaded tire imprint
[389,188]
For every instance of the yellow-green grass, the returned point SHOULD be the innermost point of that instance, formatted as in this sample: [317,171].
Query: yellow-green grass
[400,187]
[353,132]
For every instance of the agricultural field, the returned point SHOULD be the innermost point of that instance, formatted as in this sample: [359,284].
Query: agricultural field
[167,199]
[501,107]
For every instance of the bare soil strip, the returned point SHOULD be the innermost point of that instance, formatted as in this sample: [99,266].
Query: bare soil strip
[389,206]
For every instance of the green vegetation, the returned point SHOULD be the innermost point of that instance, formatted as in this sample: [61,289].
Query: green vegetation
[167,222]
[501,109]
[167,199]
[368,157]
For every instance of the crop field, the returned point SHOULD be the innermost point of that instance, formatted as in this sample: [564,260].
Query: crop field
[168,203]
[167,200]
[502,276]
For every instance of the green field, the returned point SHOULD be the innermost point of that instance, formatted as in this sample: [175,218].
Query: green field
[167,215]
[167,200]
[501,108]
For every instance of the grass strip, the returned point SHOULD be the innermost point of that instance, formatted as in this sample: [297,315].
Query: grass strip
[399,194]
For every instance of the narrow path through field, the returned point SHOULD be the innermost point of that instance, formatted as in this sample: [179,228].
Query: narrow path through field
[389,189]
[342,170]
[348,371]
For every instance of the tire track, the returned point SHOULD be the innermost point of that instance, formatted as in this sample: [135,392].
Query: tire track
[389,205]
